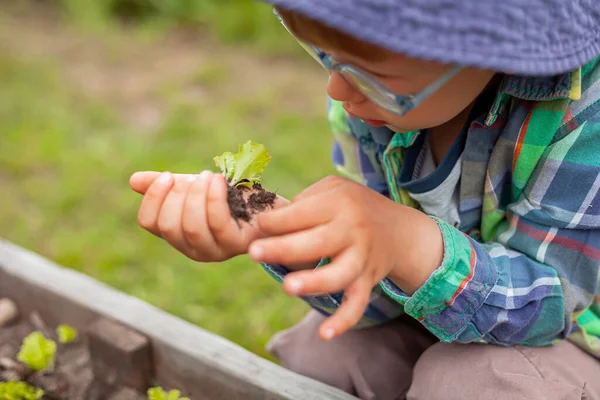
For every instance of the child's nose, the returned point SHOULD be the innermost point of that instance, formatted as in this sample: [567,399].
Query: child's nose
[338,89]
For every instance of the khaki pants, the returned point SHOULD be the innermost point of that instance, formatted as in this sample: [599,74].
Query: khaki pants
[401,360]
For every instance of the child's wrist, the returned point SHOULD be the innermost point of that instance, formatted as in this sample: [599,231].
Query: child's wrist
[422,254]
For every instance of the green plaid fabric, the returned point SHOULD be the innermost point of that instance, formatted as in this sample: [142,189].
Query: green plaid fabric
[522,267]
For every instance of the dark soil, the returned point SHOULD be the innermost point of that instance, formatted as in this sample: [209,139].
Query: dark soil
[261,199]
[242,209]
[72,377]
[237,204]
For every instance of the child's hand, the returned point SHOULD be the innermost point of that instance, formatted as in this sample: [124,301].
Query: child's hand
[367,235]
[191,213]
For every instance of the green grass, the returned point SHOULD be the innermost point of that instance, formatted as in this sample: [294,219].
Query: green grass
[231,21]
[65,160]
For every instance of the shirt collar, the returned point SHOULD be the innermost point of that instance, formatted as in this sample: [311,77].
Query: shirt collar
[566,86]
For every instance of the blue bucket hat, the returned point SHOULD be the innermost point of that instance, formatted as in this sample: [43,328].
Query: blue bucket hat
[523,37]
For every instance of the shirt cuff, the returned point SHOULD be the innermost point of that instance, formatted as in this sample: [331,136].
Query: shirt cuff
[455,291]
[325,303]
[381,307]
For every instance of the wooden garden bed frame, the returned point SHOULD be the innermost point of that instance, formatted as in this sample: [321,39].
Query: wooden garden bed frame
[199,363]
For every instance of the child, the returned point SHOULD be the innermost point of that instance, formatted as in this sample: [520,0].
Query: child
[465,239]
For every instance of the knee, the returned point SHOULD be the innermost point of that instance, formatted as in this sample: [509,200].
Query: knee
[449,371]
[473,371]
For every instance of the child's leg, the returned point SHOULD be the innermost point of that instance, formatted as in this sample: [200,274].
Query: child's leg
[454,371]
[373,363]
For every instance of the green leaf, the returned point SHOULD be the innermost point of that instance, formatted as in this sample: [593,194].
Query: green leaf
[246,167]
[37,352]
[158,393]
[226,163]
[19,391]
[66,334]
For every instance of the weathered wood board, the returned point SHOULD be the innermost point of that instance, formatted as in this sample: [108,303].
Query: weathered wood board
[200,363]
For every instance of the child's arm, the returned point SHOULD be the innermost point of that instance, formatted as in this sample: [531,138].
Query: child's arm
[352,162]
[538,274]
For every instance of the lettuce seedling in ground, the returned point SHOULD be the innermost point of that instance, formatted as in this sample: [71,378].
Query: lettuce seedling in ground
[243,172]
[158,393]
[37,352]
[19,391]
[66,334]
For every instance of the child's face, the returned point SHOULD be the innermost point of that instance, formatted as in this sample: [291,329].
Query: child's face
[405,76]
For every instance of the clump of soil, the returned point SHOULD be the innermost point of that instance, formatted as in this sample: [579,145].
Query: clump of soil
[242,209]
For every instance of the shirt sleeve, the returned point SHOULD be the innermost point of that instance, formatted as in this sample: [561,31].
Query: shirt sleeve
[539,274]
[348,156]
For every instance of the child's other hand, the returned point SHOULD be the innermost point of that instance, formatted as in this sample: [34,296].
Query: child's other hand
[368,237]
[191,213]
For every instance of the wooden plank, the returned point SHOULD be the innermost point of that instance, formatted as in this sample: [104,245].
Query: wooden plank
[201,364]
[119,354]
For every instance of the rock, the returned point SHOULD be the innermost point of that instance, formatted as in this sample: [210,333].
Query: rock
[9,312]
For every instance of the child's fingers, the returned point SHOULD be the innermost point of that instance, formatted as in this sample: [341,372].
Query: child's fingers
[298,216]
[195,224]
[153,201]
[280,202]
[350,312]
[169,219]
[299,247]
[224,229]
[141,181]
[333,278]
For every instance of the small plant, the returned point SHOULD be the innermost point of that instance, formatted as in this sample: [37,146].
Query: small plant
[158,393]
[37,352]
[243,171]
[19,391]
[246,167]
[66,334]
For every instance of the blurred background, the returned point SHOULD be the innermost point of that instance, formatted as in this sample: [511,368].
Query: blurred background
[93,90]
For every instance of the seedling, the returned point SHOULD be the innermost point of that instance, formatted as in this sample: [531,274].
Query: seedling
[37,352]
[158,393]
[19,391]
[66,334]
[243,172]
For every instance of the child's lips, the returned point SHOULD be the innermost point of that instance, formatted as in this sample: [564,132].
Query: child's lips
[375,122]
[372,122]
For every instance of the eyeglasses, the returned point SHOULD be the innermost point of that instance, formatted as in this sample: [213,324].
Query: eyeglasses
[371,87]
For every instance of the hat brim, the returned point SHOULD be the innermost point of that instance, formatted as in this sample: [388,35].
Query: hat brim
[541,37]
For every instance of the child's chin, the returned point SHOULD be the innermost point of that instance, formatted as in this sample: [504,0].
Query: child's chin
[398,129]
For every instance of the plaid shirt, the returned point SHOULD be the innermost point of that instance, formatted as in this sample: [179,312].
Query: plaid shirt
[522,267]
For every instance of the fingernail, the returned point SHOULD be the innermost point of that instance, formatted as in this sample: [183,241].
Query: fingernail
[165,177]
[295,285]
[329,334]
[204,175]
[257,252]
[192,178]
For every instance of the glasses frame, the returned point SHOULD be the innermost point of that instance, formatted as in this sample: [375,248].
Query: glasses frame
[387,99]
